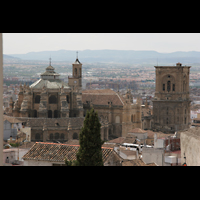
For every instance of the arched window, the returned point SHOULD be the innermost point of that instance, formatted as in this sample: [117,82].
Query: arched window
[80,72]
[37,136]
[49,113]
[168,86]
[62,136]
[173,87]
[117,119]
[37,99]
[56,136]
[75,136]
[55,113]
[51,136]
[75,71]
[52,99]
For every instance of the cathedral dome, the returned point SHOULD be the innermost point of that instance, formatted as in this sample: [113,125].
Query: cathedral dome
[49,79]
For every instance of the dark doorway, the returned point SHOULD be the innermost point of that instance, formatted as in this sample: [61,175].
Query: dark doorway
[35,113]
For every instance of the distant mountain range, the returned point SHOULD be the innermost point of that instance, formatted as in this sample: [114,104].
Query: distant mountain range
[116,56]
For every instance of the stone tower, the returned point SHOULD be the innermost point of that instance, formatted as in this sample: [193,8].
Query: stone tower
[171,104]
[76,79]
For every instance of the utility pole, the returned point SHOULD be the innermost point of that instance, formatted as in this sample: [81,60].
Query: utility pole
[1,100]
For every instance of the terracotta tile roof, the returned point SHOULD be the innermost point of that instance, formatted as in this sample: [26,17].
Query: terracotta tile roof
[57,152]
[136,162]
[137,130]
[118,140]
[102,97]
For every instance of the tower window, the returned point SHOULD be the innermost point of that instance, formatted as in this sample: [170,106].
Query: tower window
[168,86]
[173,87]
[37,99]
[163,87]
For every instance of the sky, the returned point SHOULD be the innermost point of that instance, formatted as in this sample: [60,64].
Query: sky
[21,43]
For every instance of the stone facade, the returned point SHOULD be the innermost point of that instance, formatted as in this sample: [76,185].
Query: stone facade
[171,104]
[55,110]
[116,111]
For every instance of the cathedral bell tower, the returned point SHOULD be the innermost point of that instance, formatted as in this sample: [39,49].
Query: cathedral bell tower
[76,79]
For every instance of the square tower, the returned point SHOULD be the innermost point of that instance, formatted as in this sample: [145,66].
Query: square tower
[76,79]
[171,104]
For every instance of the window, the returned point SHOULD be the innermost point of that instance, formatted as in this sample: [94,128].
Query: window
[62,136]
[173,87]
[168,86]
[67,98]
[49,114]
[52,99]
[37,99]
[117,119]
[51,136]
[167,120]
[163,87]
[37,136]
[75,136]
[185,120]
[56,136]
[185,111]
[55,113]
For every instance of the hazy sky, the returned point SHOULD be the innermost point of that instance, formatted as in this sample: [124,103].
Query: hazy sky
[14,43]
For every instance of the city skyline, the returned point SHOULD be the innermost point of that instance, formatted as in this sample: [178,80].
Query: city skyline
[21,43]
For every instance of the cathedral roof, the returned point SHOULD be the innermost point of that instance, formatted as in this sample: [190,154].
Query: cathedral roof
[102,97]
[49,84]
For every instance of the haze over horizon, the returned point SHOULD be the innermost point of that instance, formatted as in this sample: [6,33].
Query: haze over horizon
[22,43]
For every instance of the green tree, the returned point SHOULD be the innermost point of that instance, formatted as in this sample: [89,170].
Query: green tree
[89,153]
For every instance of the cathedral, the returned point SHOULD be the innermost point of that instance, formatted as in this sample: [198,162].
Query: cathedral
[55,110]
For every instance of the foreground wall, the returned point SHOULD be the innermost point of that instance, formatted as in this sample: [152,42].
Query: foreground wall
[190,145]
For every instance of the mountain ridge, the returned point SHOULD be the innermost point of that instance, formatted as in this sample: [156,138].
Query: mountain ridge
[118,56]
